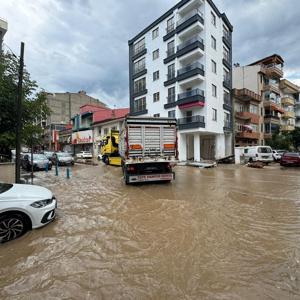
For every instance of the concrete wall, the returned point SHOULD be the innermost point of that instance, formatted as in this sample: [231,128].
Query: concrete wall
[66,105]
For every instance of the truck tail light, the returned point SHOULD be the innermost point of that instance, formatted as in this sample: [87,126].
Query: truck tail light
[131,168]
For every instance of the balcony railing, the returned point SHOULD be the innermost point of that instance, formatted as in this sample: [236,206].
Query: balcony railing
[171,99]
[191,93]
[227,100]
[191,122]
[190,67]
[189,42]
[227,124]
[139,49]
[194,12]
[140,69]
[170,28]
[170,51]
[227,35]
[171,76]
[226,80]
[246,95]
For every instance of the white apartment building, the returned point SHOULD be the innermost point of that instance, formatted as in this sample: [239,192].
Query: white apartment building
[181,66]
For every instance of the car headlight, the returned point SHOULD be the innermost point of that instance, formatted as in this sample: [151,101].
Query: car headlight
[42,203]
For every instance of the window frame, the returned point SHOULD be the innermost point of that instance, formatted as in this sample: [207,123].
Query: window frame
[214,89]
[154,54]
[214,115]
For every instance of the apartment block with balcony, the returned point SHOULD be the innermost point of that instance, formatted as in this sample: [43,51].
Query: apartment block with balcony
[289,96]
[247,118]
[297,112]
[181,66]
[263,78]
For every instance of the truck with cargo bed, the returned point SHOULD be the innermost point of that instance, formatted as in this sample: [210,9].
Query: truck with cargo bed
[148,149]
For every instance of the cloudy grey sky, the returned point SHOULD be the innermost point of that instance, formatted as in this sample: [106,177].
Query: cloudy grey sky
[82,44]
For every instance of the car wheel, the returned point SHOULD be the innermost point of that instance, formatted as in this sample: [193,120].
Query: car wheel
[11,227]
[250,159]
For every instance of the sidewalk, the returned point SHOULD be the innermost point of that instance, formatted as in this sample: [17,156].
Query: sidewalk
[7,173]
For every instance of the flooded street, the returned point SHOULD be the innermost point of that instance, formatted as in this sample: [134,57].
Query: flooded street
[224,233]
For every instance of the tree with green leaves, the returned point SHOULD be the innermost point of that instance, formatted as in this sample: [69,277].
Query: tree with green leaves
[34,105]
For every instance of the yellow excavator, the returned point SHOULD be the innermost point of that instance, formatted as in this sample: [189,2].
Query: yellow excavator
[109,149]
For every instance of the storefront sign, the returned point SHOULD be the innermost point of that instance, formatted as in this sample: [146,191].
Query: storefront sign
[82,137]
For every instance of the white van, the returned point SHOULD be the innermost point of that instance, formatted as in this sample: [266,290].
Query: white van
[259,153]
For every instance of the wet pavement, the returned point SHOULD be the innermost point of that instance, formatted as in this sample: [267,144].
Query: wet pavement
[230,232]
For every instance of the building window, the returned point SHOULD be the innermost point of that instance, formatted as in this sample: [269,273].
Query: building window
[254,109]
[214,116]
[155,54]
[155,75]
[227,120]
[139,104]
[171,114]
[213,66]
[171,48]
[156,97]
[171,72]
[139,66]
[155,33]
[156,115]
[139,85]
[214,90]
[226,33]
[226,96]
[170,25]
[213,43]
[213,19]
[105,131]
[139,46]
[226,54]
[171,94]
[226,76]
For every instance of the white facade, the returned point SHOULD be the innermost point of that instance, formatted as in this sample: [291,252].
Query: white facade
[199,135]
[3,30]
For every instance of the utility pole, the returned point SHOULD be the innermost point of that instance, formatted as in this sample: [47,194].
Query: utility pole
[19,115]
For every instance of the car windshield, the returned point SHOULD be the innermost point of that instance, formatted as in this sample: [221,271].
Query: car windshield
[264,150]
[63,154]
[5,187]
[39,156]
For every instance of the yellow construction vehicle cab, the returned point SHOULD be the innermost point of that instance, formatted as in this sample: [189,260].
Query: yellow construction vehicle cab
[109,148]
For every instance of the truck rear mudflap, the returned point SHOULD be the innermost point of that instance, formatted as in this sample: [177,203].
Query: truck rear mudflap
[150,177]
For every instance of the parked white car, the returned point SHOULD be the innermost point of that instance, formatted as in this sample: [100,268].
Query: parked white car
[259,153]
[24,207]
[277,154]
[84,154]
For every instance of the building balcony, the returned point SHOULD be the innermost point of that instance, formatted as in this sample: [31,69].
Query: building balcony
[247,135]
[139,72]
[246,95]
[227,103]
[288,87]
[269,118]
[273,71]
[190,18]
[170,28]
[227,83]
[192,122]
[287,100]
[171,78]
[227,126]
[227,39]
[138,52]
[268,136]
[190,71]
[190,96]
[226,63]
[287,127]
[272,88]
[138,93]
[245,115]
[171,55]
[189,45]
[273,106]
[289,115]
[171,101]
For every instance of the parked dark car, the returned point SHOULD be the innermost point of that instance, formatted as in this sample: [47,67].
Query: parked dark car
[62,159]
[290,159]
[40,161]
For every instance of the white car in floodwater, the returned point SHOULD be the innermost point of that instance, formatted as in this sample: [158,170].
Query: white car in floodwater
[24,207]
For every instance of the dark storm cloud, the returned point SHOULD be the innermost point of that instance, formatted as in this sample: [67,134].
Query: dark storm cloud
[81,44]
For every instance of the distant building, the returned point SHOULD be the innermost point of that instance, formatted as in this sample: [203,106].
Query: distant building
[3,30]
[264,102]
[63,106]
[104,122]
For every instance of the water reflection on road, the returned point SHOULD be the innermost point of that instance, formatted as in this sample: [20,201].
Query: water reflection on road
[224,233]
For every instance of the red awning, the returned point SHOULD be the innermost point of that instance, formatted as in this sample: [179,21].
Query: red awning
[193,104]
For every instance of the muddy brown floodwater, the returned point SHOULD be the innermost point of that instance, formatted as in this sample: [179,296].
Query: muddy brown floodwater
[224,233]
